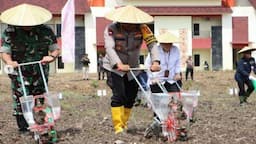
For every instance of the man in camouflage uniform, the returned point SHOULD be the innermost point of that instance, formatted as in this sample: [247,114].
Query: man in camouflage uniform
[21,44]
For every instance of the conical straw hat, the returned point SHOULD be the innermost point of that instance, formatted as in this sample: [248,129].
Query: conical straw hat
[129,14]
[26,15]
[246,49]
[167,37]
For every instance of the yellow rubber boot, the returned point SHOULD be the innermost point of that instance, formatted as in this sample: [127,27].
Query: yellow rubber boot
[117,114]
[127,112]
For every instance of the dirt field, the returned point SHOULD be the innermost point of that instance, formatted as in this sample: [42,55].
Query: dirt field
[86,118]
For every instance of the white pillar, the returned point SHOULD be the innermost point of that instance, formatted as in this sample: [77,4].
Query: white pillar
[227,50]
[90,41]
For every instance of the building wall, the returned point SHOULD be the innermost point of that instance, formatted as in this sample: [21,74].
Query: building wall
[172,2]
[113,3]
[90,42]
[68,67]
[241,11]
[205,55]
[227,51]
[242,3]
[179,26]
[206,22]
[250,13]
[174,24]
[90,25]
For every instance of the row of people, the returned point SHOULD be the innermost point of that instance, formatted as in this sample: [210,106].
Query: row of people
[123,40]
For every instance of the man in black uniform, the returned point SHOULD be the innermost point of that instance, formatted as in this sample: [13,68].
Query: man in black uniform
[244,67]
[123,41]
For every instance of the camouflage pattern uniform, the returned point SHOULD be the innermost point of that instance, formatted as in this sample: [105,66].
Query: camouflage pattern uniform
[27,46]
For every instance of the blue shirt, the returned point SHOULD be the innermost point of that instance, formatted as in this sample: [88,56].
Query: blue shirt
[244,68]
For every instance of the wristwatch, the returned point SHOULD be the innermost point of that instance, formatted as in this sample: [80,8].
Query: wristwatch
[53,56]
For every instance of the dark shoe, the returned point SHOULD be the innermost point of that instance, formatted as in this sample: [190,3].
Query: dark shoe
[242,99]
[21,122]
[24,131]
[183,136]
[154,129]
[148,133]
[137,102]
[243,104]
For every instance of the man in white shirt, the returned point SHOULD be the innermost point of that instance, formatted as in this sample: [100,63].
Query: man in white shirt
[169,76]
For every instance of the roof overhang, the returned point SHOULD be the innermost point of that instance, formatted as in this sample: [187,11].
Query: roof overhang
[239,45]
[201,43]
[54,6]
[188,10]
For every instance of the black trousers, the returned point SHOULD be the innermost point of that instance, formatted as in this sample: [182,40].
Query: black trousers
[21,122]
[191,71]
[169,87]
[124,91]
[241,84]
[101,75]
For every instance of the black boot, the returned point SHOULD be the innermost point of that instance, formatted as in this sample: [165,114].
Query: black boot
[242,100]
[22,124]
[246,96]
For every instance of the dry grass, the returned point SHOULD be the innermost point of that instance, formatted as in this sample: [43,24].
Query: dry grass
[86,117]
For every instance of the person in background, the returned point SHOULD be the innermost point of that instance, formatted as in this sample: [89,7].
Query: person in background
[206,66]
[123,40]
[85,61]
[245,66]
[25,40]
[101,70]
[189,68]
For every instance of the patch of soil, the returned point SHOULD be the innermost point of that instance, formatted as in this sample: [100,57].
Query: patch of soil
[86,117]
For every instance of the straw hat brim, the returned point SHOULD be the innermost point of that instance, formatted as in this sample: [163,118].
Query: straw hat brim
[129,14]
[26,15]
[167,38]
[247,49]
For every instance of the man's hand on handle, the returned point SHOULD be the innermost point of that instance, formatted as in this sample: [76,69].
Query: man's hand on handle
[47,59]
[123,67]
[14,64]
[155,66]
[177,77]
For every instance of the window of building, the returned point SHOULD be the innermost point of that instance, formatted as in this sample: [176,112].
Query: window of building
[60,63]
[58,30]
[141,60]
[197,60]
[196,29]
